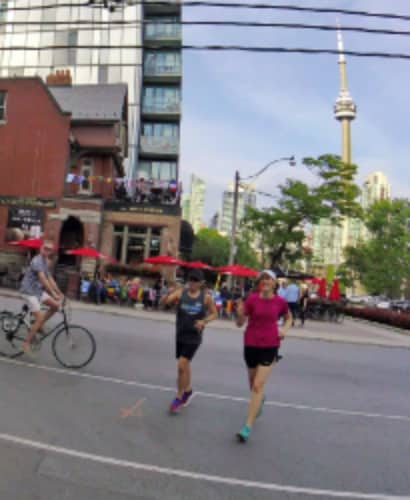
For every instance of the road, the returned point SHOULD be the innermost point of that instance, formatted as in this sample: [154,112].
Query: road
[336,425]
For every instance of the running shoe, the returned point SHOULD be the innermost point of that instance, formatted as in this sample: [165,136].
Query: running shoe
[243,434]
[29,351]
[260,411]
[175,406]
[186,398]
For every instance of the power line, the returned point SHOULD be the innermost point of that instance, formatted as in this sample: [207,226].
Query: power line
[224,5]
[217,48]
[245,24]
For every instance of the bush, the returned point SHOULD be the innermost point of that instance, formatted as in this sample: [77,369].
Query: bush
[385,316]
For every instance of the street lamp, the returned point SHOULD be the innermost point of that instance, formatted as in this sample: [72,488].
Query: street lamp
[232,248]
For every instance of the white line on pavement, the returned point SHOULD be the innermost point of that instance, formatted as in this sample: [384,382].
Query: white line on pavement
[278,404]
[231,481]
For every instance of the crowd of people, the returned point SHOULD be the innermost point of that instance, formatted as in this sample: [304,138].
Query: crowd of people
[127,291]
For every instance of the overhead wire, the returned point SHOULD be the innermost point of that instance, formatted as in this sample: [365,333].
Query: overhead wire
[224,5]
[85,25]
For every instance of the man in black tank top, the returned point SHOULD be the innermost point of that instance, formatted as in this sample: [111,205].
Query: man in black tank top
[195,310]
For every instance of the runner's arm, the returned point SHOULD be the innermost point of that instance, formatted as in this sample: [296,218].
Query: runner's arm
[286,325]
[212,313]
[240,313]
[171,298]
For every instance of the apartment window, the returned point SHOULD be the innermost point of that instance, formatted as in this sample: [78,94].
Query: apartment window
[163,27]
[66,56]
[160,129]
[163,62]
[86,172]
[3,103]
[157,170]
[162,97]
[103,74]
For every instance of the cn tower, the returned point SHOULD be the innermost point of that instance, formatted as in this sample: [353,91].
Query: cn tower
[345,108]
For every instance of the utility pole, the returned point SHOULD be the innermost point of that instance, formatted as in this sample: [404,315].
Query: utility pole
[232,249]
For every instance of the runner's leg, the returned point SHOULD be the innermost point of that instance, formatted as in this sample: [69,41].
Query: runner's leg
[261,377]
[184,376]
[251,377]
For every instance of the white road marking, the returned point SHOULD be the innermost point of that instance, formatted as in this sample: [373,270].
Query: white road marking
[278,404]
[231,481]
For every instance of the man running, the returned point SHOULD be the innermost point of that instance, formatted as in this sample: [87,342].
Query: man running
[38,287]
[195,310]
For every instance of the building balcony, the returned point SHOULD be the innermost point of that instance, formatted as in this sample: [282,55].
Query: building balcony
[153,7]
[161,108]
[163,34]
[170,73]
[159,146]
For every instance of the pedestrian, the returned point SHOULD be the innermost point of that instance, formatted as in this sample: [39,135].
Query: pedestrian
[195,310]
[303,305]
[282,290]
[262,339]
[292,298]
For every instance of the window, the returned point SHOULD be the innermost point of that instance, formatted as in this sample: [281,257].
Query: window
[66,56]
[160,129]
[157,170]
[3,102]
[163,62]
[162,97]
[86,172]
[103,73]
[163,27]
[131,244]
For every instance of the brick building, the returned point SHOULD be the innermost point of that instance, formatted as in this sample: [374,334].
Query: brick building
[61,168]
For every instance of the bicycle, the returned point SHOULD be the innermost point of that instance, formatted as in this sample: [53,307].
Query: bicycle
[69,340]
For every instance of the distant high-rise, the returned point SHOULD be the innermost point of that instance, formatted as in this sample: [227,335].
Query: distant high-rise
[246,198]
[376,187]
[186,207]
[196,203]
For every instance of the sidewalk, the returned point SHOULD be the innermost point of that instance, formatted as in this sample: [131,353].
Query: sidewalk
[351,331]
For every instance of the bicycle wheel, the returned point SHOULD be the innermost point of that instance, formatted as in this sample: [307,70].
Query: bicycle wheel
[12,325]
[74,346]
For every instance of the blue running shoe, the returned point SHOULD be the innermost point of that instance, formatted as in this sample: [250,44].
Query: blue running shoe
[186,398]
[175,406]
[260,411]
[243,434]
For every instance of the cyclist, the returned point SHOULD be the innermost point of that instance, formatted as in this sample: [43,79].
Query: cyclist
[38,287]
[195,310]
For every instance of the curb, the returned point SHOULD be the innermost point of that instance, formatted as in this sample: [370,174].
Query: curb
[219,325]
[402,331]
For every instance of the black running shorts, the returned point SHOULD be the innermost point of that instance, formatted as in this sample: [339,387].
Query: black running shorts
[263,356]
[184,350]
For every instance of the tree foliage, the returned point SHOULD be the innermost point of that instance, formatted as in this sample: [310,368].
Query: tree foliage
[280,230]
[382,263]
[213,249]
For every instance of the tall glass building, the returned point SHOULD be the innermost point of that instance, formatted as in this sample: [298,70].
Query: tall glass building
[153,78]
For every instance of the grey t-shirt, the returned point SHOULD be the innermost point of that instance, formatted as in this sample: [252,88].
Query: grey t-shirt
[31,285]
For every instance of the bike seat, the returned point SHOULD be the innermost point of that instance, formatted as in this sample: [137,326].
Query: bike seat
[25,308]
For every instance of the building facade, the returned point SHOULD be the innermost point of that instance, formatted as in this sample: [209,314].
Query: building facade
[246,198]
[153,77]
[197,203]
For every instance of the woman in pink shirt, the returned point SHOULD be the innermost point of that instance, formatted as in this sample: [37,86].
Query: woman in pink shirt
[262,340]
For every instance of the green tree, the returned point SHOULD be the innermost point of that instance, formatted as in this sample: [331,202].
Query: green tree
[382,263]
[211,247]
[280,230]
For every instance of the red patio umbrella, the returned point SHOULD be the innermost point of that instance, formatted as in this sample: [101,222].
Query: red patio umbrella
[238,270]
[334,293]
[197,264]
[321,292]
[34,243]
[88,252]
[164,260]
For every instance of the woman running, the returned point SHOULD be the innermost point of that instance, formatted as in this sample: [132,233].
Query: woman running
[262,340]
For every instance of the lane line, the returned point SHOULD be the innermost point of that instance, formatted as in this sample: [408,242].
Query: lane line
[211,395]
[231,481]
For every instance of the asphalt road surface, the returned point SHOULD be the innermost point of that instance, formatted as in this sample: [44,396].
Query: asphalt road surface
[336,425]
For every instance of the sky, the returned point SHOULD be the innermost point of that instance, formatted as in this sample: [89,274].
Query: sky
[242,110]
